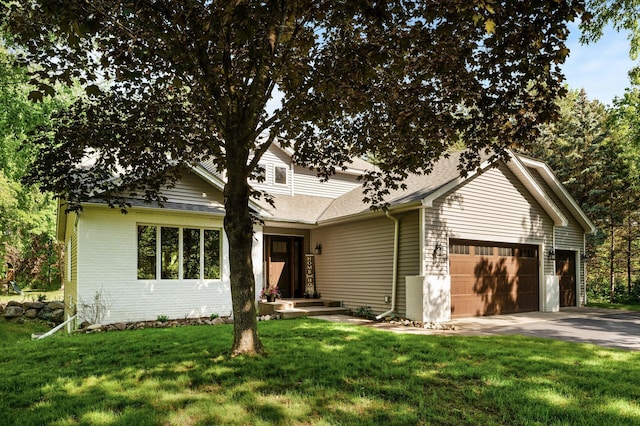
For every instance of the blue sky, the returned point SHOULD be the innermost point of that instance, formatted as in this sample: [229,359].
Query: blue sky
[600,68]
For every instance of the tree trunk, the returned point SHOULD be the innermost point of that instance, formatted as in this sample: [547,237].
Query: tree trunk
[629,239]
[612,285]
[239,228]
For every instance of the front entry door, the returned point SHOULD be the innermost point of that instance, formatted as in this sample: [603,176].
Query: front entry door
[284,260]
[566,272]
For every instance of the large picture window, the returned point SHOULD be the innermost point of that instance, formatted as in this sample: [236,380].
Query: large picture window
[173,253]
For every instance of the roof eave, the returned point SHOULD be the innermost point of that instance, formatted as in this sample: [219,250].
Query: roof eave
[556,186]
[521,172]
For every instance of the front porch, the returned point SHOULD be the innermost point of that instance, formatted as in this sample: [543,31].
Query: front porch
[295,308]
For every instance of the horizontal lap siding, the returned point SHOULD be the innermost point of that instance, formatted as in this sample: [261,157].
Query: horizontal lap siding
[271,159]
[570,237]
[493,206]
[107,263]
[355,266]
[409,255]
[193,190]
[71,282]
[307,183]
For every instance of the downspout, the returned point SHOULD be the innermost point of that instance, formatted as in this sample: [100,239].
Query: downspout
[583,267]
[396,233]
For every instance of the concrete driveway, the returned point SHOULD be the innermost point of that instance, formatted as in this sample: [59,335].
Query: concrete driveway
[603,327]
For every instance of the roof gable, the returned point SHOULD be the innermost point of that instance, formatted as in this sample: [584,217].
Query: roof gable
[560,191]
[422,190]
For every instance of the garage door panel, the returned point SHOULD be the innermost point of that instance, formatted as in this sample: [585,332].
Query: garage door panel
[566,272]
[502,279]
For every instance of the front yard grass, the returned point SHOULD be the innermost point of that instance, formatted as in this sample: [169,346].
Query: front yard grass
[316,373]
[33,295]
[622,306]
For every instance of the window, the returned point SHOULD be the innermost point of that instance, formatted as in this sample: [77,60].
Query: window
[174,253]
[169,241]
[506,251]
[147,252]
[528,252]
[191,253]
[458,249]
[280,175]
[279,246]
[483,251]
[211,254]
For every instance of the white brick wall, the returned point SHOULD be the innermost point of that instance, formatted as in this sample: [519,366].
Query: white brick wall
[107,264]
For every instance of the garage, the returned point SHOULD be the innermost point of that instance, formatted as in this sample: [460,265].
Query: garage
[492,278]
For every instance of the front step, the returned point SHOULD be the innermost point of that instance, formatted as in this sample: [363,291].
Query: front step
[294,308]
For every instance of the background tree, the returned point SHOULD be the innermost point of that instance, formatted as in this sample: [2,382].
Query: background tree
[622,15]
[625,129]
[27,216]
[173,83]
[595,154]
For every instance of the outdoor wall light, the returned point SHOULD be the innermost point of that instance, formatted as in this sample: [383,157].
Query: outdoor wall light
[318,249]
[552,254]
[584,256]
[438,250]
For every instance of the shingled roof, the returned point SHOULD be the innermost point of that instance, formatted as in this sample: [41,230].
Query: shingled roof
[418,187]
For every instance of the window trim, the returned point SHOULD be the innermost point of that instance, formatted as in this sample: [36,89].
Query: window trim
[180,260]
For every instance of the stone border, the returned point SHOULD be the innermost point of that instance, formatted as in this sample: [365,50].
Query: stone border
[47,311]
[85,327]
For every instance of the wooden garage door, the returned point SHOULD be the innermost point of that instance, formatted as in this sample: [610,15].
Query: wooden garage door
[492,278]
[566,272]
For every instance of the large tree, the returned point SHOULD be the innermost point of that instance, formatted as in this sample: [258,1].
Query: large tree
[171,83]
[27,216]
[625,129]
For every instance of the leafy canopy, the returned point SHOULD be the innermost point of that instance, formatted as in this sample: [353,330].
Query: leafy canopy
[189,81]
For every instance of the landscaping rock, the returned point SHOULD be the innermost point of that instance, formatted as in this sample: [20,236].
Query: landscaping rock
[14,303]
[57,316]
[13,311]
[218,321]
[94,327]
[120,326]
[33,305]
[55,305]
[31,313]
[45,313]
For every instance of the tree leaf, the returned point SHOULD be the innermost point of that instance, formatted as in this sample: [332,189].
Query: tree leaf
[490,26]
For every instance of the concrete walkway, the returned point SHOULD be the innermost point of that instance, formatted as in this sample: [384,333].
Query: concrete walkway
[603,327]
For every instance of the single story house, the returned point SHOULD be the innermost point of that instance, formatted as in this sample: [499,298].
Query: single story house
[506,239]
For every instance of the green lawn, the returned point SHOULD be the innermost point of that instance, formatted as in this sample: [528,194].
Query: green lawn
[624,307]
[316,373]
[32,295]
[13,332]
